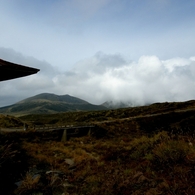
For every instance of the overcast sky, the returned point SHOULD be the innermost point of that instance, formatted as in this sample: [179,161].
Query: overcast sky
[138,51]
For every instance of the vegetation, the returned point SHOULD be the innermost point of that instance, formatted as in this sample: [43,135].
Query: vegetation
[9,121]
[142,150]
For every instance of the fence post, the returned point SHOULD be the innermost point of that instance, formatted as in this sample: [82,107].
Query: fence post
[64,136]
[89,131]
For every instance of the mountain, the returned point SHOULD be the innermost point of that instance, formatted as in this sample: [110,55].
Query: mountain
[47,103]
[117,104]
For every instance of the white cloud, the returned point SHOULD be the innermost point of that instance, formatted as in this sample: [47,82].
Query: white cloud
[171,64]
[106,77]
[146,81]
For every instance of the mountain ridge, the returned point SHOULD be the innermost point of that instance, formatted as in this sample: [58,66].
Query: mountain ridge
[53,97]
[47,103]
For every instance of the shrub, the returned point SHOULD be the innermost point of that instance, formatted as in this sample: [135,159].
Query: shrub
[28,185]
[171,152]
[6,153]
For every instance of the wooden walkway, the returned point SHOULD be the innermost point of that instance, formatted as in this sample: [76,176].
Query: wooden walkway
[69,131]
[64,132]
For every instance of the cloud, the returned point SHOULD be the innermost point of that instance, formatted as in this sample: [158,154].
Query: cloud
[146,81]
[105,77]
[171,64]
[64,32]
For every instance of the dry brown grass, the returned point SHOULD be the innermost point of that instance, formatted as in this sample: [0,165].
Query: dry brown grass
[133,157]
[158,164]
[28,185]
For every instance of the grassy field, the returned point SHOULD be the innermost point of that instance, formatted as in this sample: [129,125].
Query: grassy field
[147,150]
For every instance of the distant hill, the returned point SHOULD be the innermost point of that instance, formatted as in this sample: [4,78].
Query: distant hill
[47,103]
[116,105]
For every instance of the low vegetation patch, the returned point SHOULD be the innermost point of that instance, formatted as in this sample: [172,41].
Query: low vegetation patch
[158,164]
[143,155]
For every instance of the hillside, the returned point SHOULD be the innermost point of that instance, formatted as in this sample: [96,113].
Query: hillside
[132,151]
[10,121]
[47,103]
[124,114]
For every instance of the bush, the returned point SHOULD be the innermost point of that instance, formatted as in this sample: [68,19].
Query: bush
[171,152]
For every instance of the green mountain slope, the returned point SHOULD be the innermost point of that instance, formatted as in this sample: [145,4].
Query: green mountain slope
[47,103]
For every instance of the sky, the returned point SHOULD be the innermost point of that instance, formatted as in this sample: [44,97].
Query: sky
[134,51]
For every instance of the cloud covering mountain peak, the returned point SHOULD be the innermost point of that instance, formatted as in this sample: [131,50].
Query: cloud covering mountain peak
[104,77]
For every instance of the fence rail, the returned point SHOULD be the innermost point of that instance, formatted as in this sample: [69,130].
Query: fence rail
[55,128]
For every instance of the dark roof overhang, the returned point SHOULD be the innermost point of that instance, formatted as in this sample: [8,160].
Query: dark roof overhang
[9,70]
